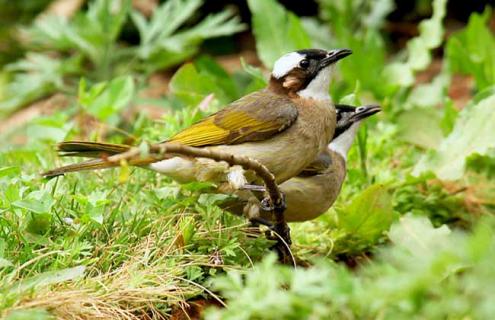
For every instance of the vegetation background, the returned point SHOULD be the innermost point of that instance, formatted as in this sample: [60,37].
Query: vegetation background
[411,236]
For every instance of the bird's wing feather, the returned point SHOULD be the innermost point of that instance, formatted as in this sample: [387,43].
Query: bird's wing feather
[254,117]
[318,166]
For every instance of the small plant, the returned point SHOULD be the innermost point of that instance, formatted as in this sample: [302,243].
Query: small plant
[89,45]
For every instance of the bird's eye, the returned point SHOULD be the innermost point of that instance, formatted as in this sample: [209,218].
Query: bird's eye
[359,109]
[304,64]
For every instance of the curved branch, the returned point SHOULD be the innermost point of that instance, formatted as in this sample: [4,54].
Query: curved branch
[162,151]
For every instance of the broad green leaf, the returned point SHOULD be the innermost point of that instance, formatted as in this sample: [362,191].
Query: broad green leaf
[191,86]
[450,114]
[49,278]
[93,32]
[418,236]
[420,126]
[53,128]
[5,263]
[276,30]
[472,133]
[319,33]
[429,94]
[379,9]
[33,205]
[30,314]
[33,77]
[369,215]
[38,223]
[106,100]
[165,42]
[207,65]
[418,49]
[367,60]
[470,51]
[258,79]
[209,199]
[8,171]
[363,36]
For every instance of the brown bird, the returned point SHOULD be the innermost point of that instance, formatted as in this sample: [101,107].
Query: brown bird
[283,126]
[316,188]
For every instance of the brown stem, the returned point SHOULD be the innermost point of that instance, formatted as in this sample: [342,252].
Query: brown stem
[163,150]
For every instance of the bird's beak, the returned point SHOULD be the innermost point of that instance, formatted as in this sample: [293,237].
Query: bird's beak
[334,56]
[365,112]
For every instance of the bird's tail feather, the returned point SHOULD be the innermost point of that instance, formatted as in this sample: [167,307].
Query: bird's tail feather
[93,164]
[88,150]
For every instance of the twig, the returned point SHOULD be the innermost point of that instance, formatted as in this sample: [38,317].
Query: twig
[162,151]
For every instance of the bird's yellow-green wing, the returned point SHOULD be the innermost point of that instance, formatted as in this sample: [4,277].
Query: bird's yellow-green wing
[254,117]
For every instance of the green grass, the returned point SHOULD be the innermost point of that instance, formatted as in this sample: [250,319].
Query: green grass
[411,235]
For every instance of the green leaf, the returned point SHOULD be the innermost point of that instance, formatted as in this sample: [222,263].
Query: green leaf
[362,35]
[93,33]
[34,77]
[207,65]
[30,314]
[429,94]
[49,278]
[418,52]
[258,80]
[5,263]
[450,114]
[53,128]
[470,51]
[420,126]
[472,133]
[418,236]
[369,215]
[8,171]
[191,87]
[276,30]
[39,223]
[162,41]
[105,100]
[33,205]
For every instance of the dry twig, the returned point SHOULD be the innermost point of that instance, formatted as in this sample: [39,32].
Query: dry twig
[163,151]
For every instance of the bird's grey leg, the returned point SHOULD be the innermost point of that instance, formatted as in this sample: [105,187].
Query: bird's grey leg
[280,228]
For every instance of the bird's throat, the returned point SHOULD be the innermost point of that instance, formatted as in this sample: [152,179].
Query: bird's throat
[318,87]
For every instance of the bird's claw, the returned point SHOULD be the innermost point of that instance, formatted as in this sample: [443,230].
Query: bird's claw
[280,230]
[267,205]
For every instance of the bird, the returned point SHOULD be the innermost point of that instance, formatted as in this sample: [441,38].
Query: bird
[314,190]
[283,126]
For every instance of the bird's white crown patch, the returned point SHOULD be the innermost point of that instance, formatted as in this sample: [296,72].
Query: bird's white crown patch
[286,63]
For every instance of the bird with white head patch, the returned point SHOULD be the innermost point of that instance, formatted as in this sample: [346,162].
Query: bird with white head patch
[283,126]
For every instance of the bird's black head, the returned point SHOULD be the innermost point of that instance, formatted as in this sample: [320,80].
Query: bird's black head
[306,72]
[348,115]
